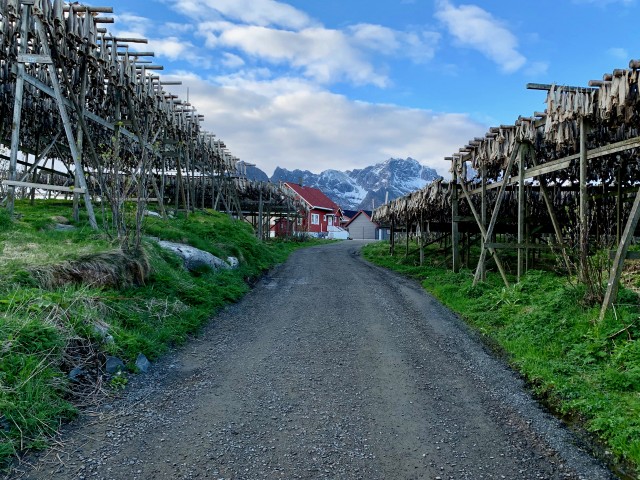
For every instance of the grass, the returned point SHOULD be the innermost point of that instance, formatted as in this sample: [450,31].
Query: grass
[585,370]
[48,328]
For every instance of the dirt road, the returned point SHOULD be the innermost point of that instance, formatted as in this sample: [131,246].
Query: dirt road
[330,368]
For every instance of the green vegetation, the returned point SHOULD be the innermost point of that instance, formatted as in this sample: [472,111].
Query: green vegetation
[586,370]
[52,321]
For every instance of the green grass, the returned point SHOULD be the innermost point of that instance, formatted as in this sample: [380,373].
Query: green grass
[587,371]
[45,333]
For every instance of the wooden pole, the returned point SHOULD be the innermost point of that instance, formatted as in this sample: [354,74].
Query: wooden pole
[421,239]
[521,213]
[17,108]
[455,234]
[483,218]
[483,231]
[584,227]
[619,204]
[621,254]
[66,122]
[496,210]
[260,219]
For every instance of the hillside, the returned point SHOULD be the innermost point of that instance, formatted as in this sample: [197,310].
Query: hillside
[71,303]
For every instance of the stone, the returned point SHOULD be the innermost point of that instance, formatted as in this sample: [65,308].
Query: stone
[60,219]
[76,373]
[233,262]
[101,327]
[63,227]
[114,365]
[143,363]
[150,213]
[193,258]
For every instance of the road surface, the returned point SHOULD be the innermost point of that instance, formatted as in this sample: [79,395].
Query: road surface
[330,368]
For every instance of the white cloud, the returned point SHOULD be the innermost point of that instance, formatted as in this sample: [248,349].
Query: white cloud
[619,53]
[537,68]
[232,61]
[415,45]
[478,29]
[291,123]
[324,55]
[254,12]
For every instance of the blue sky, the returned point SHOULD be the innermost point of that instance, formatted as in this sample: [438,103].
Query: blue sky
[317,84]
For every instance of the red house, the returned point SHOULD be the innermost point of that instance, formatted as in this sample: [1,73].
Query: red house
[321,216]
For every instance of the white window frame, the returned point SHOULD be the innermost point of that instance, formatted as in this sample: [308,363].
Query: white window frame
[315,219]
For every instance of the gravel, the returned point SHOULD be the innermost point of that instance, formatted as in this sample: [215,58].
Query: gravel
[330,368]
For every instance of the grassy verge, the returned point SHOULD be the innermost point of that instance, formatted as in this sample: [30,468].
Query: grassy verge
[587,371]
[45,333]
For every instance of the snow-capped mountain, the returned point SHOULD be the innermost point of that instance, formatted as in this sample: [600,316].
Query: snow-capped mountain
[364,188]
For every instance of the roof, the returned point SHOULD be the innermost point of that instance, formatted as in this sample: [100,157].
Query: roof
[314,197]
[350,213]
[366,213]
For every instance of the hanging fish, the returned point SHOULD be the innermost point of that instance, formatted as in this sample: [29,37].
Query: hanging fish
[58,12]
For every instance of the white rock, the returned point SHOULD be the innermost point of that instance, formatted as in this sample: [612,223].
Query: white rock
[194,258]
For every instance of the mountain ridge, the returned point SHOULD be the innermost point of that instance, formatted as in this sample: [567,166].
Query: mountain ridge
[364,188]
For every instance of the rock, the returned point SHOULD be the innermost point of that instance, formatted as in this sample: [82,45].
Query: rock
[233,262]
[194,258]
[60,219]
[114,365]
[101,328]
[60,226]
[76,373]
[149,213]
[142,363]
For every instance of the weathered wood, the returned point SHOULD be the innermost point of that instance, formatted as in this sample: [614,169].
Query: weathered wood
[554,219]
[562,163]
[17,108]
[455,234]
[521,213]
[566,88]
[583,220]
[496,210]
[621,254]
[484,242]
[42,186]
[519,246]
[631,255]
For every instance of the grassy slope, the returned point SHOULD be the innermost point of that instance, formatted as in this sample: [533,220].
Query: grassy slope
[586,370]
[46,333]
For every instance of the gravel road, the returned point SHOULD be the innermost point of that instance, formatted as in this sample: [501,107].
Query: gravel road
[330,368]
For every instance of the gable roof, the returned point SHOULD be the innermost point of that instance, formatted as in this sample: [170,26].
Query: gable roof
[366,213]
[314,197]
[350,213]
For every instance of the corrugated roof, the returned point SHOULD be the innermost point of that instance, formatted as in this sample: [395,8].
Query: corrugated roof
[314,197]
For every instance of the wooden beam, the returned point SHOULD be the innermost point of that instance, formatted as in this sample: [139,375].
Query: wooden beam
[564,162]
[496,209]
[514,246]
[635,255]
[621,254]
[583,202]
[455,234]
[42,186]
[566,88]
[483,243]
[521,212]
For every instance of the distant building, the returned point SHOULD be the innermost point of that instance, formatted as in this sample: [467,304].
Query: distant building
[321,218]
[361,227]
